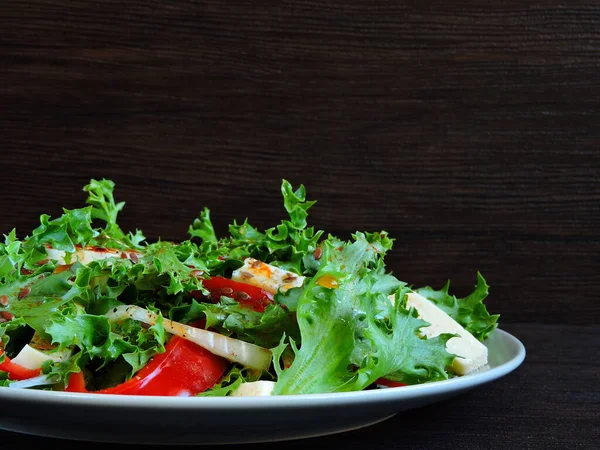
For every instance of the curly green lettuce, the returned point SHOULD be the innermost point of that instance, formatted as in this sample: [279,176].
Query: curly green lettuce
[470,311]
[351,333]
[286,245]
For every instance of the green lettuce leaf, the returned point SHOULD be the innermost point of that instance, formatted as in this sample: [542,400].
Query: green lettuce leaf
[396,350]
[351,335]
[104,208]
[231,381]
[63,233]
[470,311]
[21,257]
[62,370]
[264,329]
[285,245]
[36,299]
[6,329]
[75,227]
[175,265]
[95,337]
[4,381]
[202,228]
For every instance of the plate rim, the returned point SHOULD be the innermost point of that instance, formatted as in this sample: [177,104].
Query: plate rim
[284,401]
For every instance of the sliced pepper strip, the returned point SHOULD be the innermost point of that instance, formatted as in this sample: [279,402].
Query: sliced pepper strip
[184,369]
[389,383]
[245,294]
[16,371]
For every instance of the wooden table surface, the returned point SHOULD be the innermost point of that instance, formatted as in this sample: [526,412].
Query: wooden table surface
[468,132]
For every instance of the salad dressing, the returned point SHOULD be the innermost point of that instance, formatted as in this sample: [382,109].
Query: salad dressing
[328,281]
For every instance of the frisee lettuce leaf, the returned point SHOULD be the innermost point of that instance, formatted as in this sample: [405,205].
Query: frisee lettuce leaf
[96,337]
[285,245]
[351,335]
[202,228]
[74,228]
[470,311]
[62,370]
[174,265]
[63,233]
[104,208]
[35,299]
[261,328]
[6,329]
[231,381]
[4,381]
[398,352]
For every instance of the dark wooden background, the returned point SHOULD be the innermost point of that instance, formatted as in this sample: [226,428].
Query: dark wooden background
[469,132]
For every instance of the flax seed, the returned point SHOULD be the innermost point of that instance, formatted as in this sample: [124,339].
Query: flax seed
[318,253]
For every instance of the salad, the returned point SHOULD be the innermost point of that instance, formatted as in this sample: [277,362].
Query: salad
[88,307]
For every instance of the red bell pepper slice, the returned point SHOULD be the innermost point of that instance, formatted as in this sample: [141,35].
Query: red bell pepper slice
[184,369]
[15,371]
[389,383]
[251,296]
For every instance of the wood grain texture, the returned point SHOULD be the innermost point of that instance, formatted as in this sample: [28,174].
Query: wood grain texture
[470,133]
[550,403]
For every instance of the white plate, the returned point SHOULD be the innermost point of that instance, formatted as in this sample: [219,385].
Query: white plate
[225,420]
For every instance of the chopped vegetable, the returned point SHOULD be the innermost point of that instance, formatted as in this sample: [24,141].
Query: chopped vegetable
[245,294]
[234,350]
[276,311]
[184,369]
[15,371]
